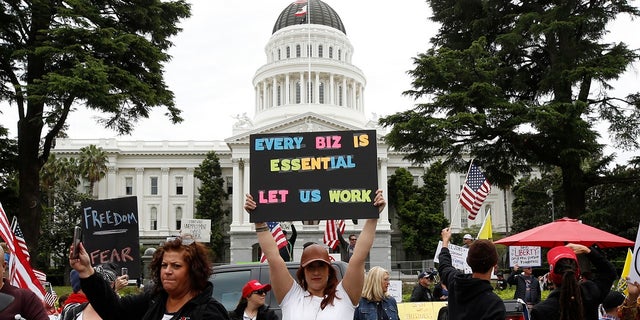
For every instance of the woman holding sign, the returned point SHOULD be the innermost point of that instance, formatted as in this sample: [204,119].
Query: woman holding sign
[317,294]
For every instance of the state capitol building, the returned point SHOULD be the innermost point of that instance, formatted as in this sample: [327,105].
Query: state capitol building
[316,56]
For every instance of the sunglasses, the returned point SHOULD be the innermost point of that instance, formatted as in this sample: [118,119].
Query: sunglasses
[352,239]
[260,292]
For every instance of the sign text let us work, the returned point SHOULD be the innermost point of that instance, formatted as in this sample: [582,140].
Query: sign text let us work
[314,175]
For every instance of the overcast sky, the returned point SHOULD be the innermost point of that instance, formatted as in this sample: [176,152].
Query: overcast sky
[222,45]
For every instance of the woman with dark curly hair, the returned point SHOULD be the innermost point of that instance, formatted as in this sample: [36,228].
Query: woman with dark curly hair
[180,270]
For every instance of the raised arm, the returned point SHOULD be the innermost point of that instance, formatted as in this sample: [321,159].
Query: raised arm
[354,277]
[281,279]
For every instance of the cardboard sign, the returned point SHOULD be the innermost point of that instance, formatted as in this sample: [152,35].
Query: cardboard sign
[634,272]
[420,310]
[525,256]
[314,175]
[199,229]
[110,233]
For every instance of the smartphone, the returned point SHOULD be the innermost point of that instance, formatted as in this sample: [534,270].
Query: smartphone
[77,237]
[124,272]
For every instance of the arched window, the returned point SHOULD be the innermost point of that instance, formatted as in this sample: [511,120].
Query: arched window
[153,219]
[298,51]
[320,53]
[288,52]
[178,218]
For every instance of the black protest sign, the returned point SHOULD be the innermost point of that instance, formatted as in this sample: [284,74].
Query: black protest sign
[314,175]
[110,233]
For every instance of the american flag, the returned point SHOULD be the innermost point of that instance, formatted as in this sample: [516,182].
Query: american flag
[20,272]
[50,298]
[278,235]
[474,192]
[15,227]
[331,235]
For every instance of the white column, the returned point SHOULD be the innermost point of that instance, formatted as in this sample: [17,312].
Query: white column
[353,96]
[163,211]
[344,91]
[245,188]
[265,98]
[112,183]
[383,222]
[303,89]
[189,186]
[257,98]
[287,98]
[274,98]
[332,94]
[316,88]
[361,95]
[138,187]
[237,196]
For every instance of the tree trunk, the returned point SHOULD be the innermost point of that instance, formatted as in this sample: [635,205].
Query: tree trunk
[574,188]
[30,212]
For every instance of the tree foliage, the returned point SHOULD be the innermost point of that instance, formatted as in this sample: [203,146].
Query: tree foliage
[419,209]
[521,84]
[93,164]
[56,56]
[210,201]
[8,176]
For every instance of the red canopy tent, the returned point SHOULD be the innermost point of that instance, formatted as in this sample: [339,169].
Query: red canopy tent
[563,231]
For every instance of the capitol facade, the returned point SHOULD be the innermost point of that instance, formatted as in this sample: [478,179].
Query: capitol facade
[308,83]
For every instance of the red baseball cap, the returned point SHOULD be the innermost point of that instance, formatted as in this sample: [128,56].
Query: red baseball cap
[252,286]
[554,255]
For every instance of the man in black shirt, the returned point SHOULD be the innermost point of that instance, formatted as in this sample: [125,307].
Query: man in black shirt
[422,291]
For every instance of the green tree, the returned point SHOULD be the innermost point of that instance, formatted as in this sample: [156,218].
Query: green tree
[58,55]
[531,204]
[93,165]
[8,177]
[516,85]
[210,200]
[419,210]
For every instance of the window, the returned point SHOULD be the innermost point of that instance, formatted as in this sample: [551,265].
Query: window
[298,93]
[279,54]
[229,181]
[309,51]
[309,92]
[288,52]
[279,94]
[154,185]
[179,185]
[320,53]
[330,52]
[153,219]
[178,218]
[128,186]
[340,95]
[339,54]
[321,93]
[298,51]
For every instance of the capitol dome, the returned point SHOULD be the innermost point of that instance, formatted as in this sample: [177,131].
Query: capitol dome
[319,12]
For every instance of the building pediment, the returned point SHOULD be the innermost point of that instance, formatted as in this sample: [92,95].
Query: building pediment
[306,122]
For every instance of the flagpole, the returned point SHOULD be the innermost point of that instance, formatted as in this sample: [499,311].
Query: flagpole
[310,51]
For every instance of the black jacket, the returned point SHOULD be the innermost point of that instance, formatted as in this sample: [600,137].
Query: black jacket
[420,293]
[469,298]
[517,279]
[264,313]
[148,306]
[593,291]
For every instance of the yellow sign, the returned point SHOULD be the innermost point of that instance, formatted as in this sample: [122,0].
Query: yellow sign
[420,310]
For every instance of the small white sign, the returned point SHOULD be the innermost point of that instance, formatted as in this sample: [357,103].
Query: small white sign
[525,256]
[395,290]
[458,256]
[200,229]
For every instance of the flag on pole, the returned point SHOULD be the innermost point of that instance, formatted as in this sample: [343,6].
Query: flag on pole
[301,12]
[332,232]
[622,283]
[278,235]
[50,298]
[486,231]
[15,228]
[474,192]
[20,272]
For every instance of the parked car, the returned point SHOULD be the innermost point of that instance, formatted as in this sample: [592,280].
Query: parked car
[229,279]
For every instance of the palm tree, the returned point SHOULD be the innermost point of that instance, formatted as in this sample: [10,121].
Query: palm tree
[57,171]
[93,164]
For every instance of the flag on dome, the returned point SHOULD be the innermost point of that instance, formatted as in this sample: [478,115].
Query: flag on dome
[301,12]
[475,190]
